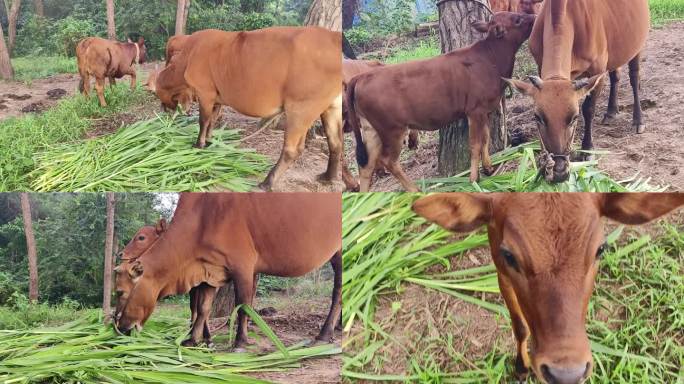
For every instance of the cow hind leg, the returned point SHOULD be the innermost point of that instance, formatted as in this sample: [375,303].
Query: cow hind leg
[487,167]
[612,111]
[206,109]
[99,88]
[520,330]
[215,112]
[244,287]
[373,145]
[476,124]
[112,81]
[588,109]
[390,159]
[327,330]
[332,124]
[634,82]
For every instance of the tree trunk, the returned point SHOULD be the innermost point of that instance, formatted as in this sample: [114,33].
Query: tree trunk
[180,9]
[325,13]
[455,32]
[185,16]
[347,49]
[30,247]
[349,9]
[108,254]
[111,27]
[12,24]
[40,9]
[224,303]
[6,71]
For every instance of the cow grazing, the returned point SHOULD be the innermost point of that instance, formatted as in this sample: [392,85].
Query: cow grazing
[102,59]
[172,90]
[428,94]
[218,237]
[574,43]
[546,248]
[237,69]
[174,46]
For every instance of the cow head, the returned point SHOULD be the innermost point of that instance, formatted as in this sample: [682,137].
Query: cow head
[528,6]
[556,111]
[509,26]
[546,248]
[130,270]
[143,51]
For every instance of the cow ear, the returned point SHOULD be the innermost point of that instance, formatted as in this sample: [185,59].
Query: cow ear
[529,89]
[638,208]
[141,40]
[480,26]
[129,40]
[459,212]
[586,85]
[136,270]
[161,226]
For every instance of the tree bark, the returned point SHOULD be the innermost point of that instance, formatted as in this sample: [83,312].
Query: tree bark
[455,32]
[180,9]
[347,49]
[185,16]
[6,70]
[30,247]
[40,9]
[111,26]
[325,13]
[224,303]
[349,9]
[12,24]
[108,255]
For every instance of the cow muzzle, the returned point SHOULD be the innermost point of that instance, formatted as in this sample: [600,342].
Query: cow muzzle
[562,374]
[554,168]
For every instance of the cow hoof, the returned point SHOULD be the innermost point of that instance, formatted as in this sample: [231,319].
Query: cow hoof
[239,350]
[189,343]
[488,171]
[199,145]
[582,156]
[265,186]
[209,343]
[608,119]
[353,188]
[324,178]
[640,128]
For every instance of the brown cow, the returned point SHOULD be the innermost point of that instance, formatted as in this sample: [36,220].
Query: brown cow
[427,94]
[107,59]
[217,237]
[174,46]
[237,69]
[573,39]
[523,6]
[546,248]
[170,87]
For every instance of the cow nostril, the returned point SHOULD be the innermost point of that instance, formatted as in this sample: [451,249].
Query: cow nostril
[565,375]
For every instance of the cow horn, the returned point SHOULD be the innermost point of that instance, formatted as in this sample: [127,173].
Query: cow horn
[536,81]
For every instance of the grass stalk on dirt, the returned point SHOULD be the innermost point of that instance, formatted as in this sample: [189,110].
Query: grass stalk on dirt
[150,155]
[387,248]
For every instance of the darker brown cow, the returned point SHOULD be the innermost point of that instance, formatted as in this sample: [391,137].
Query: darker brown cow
[107,59]
[427,94]
[217,237]
[237,69]
[574,43]
[546,248]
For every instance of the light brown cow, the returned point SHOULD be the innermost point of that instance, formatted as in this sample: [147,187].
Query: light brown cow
[578,39]
[174,46]
[427,94]
[262,73]
[217,237]
[107,59]
[170,87]
[546,248]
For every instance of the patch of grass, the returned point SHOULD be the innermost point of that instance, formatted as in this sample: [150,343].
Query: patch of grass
[664,11]
[425,49]
[150,155]
[24,315]
[22,138]
[36,67]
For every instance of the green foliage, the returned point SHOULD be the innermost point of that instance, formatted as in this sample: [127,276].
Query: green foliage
[28,68]
[7,288]
[20,314]
[358,37]
[425,49]
[36,37]
[69,32]
[663,11]
[254,20]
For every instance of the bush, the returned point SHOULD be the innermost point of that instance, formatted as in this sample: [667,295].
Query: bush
[255,20]
[36,37]
[359,37]
[7,288]
[69,32]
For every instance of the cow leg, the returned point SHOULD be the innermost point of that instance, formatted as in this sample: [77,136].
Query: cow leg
[373,144]
[487,167]
[391,160]
[205,297]
[112,81]
[326,334]
[612,110]
[520,330]
[193,304]
[634,82]
[133,78]
[244,291]
[85,81]
[588,109]
[476,124]
[332,124]
[99,87]
[206,334]
[297,123]
[206,109]
[215,112]
[413,139]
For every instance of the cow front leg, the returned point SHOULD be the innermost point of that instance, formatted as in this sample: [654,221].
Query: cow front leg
[332,124]
[194,291]
[200,330]
[634,65]
[612,111]
[206,109]
[112,81]
[244,292]
[520,329]
[373,147]
[476,124]
[215,112]
[588,109]
[327,330]
[133,78]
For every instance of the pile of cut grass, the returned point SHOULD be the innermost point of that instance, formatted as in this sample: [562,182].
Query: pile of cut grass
[21,138]
[29,68]
[387,247]
[150,155]
[86,351]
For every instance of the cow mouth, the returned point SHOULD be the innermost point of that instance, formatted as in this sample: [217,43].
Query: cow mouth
[554,168]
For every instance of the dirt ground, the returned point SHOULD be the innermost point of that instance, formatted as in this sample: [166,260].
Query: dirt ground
[657,154]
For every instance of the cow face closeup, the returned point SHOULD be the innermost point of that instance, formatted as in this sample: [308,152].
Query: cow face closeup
[556,111]
[509,26]
[547,249]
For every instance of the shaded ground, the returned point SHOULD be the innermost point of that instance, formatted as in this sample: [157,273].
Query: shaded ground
[658,153]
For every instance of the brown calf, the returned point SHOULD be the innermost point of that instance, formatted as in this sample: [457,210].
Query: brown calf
[546,248]
[573,39]
[107,59]
[427,94]
[218,237]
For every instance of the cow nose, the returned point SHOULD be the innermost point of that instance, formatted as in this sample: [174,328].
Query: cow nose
[561,171]
[565,375]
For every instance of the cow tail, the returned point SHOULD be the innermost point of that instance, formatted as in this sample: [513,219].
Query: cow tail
[355,123]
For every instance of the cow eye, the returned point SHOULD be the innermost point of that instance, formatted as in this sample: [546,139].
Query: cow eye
[518,20]
[599,252]
[510,259]
[141,238]
[119,293]
[539,119]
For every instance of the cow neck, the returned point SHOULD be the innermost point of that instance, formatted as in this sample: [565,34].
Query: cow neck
[558,38]
[500,53]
